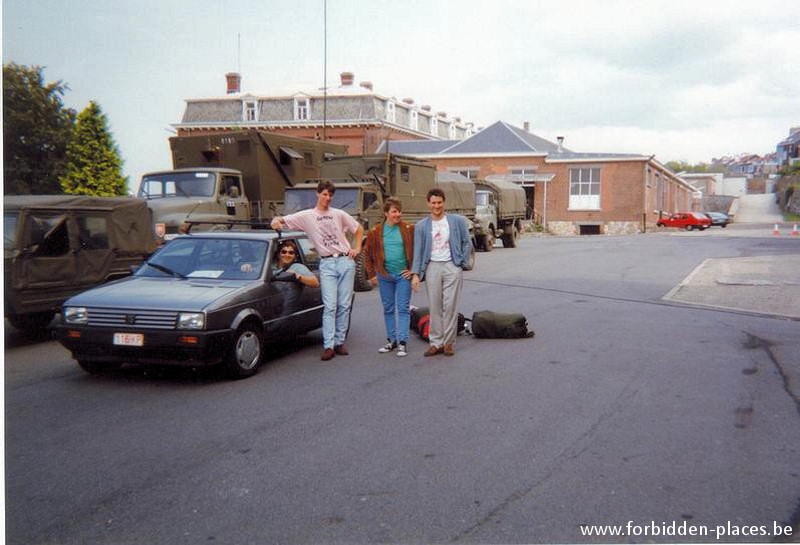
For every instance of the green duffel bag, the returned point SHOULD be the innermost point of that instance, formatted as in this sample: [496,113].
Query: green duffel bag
[496,325]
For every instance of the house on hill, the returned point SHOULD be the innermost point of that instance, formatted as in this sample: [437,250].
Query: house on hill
[568,192]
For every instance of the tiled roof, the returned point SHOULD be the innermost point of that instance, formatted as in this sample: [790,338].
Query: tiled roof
[416,147]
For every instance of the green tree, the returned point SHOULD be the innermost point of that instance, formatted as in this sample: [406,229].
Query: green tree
[683,166]
[36,131]
[94,166]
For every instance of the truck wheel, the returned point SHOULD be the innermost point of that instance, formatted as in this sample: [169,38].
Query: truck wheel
[510,240]
[471,259]
[98,367]
[486,242]
[33,322]
[244,354]
[361,281]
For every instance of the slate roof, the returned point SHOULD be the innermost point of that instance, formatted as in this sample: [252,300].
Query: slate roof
[416,147]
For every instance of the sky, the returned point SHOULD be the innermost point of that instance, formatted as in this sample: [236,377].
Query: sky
[685,81]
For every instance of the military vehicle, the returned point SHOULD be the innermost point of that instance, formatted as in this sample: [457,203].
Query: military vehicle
[363,182]
[500,209]
[230,175]
[58,245]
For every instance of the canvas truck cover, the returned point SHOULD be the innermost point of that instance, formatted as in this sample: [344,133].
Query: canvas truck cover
[511,200]
[459,193]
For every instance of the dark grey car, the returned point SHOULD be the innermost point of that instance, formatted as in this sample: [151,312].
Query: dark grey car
[195,302]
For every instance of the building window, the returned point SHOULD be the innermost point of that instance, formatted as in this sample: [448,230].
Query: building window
[584,189]
[301,109]
[471,173]
[523,176]
[414,123]
[451,131]
[250,111]
[390,111]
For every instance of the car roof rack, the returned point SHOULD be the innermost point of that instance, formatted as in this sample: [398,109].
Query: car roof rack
[254,224]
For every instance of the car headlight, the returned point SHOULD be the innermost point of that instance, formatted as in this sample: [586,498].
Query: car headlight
[191,320]
[76,315]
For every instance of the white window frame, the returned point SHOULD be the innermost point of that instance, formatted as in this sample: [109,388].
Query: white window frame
[249,110]
[527,175]
[302,107]
[391,112]
[414,119]
[469,172]
[434,126]
[584,188]
[451,131]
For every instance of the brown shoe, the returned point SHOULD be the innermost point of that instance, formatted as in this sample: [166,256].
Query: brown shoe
[327,354]
[341,350]
[449,350]
[432,351]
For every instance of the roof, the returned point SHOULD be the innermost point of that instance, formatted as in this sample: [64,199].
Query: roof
[68,202]
[416,147]
[794,138]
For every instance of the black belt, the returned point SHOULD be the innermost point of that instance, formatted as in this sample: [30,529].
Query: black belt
[334,255]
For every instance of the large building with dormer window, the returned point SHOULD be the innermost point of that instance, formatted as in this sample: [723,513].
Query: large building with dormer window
[349,114]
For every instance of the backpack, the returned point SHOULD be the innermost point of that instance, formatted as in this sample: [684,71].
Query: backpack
[495,325]
[421,322]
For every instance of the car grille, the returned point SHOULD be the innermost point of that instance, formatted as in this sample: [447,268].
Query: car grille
[132,318]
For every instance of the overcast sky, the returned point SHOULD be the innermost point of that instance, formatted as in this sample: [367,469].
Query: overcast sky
[681,80]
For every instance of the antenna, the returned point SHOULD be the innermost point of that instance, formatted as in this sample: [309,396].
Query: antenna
[239,52]
[325,70]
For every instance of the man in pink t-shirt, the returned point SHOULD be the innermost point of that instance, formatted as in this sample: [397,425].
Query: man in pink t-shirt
[326,227]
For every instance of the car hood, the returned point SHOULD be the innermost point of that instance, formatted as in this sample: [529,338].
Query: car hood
[157,293]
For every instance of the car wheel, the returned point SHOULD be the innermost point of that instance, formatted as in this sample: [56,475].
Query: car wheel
[244,354]
[98,367]
[33,322]
[486,242]
[724,225]
[689,227]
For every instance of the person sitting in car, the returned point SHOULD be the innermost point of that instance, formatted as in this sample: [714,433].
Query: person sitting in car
[287,265]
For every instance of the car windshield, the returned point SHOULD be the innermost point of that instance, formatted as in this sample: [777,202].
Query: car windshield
[10,220]
[178,184]
[220,258]
[301,199]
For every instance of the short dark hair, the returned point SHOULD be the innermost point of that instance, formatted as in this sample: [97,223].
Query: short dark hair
[392,202]
[436,192]
[326,184]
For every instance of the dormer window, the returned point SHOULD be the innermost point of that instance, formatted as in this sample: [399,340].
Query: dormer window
[301,108]
[250,111]
[434,126]
[414,120]
[451,131]
[390,111]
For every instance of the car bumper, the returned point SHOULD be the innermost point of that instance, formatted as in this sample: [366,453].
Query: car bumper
[185,348]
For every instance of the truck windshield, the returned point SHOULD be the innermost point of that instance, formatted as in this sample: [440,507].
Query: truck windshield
[10,220]
[300,199]
[178,184]
[481,198]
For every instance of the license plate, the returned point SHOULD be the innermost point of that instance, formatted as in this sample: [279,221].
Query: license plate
[129,339]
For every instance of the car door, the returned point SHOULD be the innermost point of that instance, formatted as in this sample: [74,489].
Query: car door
[309,315]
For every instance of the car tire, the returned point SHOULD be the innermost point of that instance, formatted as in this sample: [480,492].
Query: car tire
[33,322]
[98,367]
[362,283]
[689,228]
[245,352]
[486,242]
[510,241]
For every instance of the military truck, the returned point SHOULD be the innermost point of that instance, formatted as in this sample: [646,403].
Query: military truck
[500,209]
[231,175]
[363,182]
[56,246]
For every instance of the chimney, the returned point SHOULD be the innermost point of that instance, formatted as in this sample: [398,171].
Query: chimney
[441,114]
[347,78]
[366,85]
[234,80]
[458,120]
[426,108]
[527,126]
[408,100]
[560,143]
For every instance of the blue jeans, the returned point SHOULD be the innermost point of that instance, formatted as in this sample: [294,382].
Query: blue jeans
[395,296]
[336,280]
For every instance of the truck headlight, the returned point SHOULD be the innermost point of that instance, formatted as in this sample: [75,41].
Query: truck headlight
[191,320]
[76,315]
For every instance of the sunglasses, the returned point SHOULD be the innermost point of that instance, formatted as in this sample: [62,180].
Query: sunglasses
[287,252]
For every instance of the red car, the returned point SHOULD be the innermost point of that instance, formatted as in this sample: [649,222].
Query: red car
[686,220]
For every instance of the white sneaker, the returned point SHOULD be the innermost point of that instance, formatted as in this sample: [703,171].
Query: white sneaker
[388,347]
[401,350]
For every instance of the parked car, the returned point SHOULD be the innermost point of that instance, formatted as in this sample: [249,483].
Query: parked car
[686,220]
[718,218]
[193,304]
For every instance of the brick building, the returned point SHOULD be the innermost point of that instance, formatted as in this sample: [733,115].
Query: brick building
[568,192]
[349,114]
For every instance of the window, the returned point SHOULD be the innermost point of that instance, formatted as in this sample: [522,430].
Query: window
[310,253]
[414,124]
[523,176]
[584,188]
[301,108]
[49,236]
[434,126]
[368,199]
[451,131]
[471,173]
[250,111]
[390,111]
[404,175]
[93,233]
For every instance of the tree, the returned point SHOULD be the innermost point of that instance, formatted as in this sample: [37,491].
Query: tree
[683,166]
[36,131]
[94,166]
